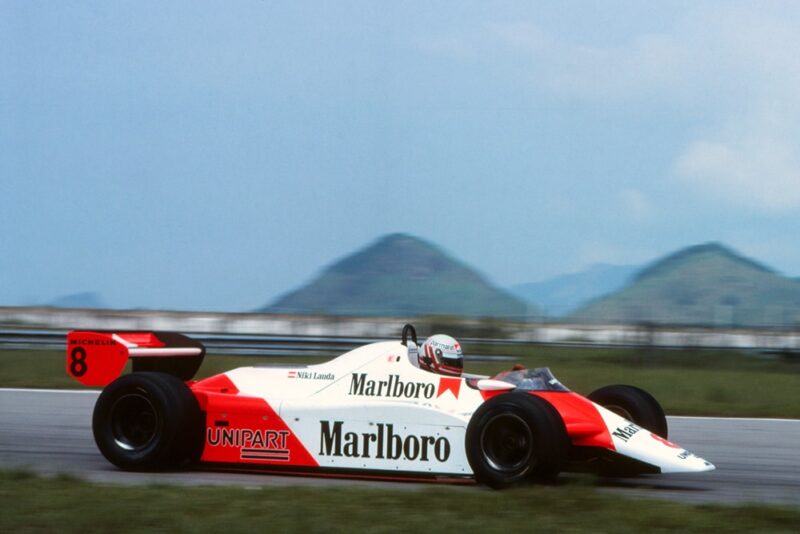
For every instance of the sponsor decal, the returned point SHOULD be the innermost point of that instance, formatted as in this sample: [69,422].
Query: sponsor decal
[311,375]
[664,441]
[626,432]
[449,384]
[362,386]
[254,444]
[383,444]
[446,346]
[92,341]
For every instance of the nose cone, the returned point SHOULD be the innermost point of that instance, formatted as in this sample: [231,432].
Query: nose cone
[639,443]
[672,458]
[695,464]
[669,457]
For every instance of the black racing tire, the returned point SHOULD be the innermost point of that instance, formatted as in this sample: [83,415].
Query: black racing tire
[634,404]
[147,421]
[516,437]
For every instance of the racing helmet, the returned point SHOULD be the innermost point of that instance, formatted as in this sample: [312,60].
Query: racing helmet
[442,354]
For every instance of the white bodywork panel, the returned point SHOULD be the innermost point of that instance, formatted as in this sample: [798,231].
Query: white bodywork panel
[373,408]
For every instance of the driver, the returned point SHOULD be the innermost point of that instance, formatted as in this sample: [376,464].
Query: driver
[442,354]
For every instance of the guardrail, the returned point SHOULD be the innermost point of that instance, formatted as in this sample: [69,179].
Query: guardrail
[232,333]
[329,346]
[230,344]
[227,344]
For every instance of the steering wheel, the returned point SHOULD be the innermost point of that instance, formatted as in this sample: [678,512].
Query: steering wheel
[406,329]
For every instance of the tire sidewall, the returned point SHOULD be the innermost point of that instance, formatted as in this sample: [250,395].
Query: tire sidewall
[548,444]
[643,408]
[176,413]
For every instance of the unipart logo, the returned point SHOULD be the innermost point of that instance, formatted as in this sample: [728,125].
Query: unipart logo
[253,443]
[392,387]
[246,437]
[383,444]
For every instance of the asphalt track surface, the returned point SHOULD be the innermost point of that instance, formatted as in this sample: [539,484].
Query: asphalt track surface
[758,460]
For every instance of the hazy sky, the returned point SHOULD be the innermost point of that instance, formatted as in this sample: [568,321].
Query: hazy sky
[212,155]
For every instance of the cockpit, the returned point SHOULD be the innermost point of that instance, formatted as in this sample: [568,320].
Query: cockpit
[539,379]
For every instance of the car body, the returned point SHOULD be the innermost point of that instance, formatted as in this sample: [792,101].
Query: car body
[369,412]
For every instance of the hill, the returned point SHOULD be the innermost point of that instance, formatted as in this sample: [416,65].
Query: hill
[400,275]
[561,295]
[706,284]
[86,299]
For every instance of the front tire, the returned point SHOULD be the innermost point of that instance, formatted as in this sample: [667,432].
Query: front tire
[515,437]
[147,420]
[635,405]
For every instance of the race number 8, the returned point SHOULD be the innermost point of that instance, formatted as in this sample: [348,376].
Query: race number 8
[77,364]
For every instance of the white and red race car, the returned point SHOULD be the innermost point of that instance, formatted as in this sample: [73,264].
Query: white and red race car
[371,412]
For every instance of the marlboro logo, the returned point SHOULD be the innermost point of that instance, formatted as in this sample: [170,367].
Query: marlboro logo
[383,444]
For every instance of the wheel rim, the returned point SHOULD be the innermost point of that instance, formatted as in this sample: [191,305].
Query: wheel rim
[134,421]
[620,411]
[507,443]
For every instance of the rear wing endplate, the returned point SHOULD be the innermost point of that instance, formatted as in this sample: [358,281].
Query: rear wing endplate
[97,358]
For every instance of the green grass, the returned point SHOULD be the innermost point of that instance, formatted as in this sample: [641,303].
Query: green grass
[63,504]
[723,383]
[686,382]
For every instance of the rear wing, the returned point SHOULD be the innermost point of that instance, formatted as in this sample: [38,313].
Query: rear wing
[97,358]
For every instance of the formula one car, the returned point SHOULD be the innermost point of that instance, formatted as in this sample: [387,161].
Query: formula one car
[371,412]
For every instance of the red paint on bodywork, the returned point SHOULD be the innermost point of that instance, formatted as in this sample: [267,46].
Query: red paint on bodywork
[142,339]
[488,394]
[449,384]
[94,359]
[664,441]
[585,425]
[214,384]
[245,430]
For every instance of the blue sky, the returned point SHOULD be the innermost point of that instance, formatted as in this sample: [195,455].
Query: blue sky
[213,155]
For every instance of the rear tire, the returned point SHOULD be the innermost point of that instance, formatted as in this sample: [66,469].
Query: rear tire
[147,420]
[634,404]
[515,437]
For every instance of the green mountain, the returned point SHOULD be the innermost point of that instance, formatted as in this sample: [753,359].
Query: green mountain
[400,275]
[701,285]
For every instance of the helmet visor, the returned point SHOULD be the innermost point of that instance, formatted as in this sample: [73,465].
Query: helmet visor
[454,363]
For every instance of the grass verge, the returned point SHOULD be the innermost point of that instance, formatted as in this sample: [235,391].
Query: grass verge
[68,505]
